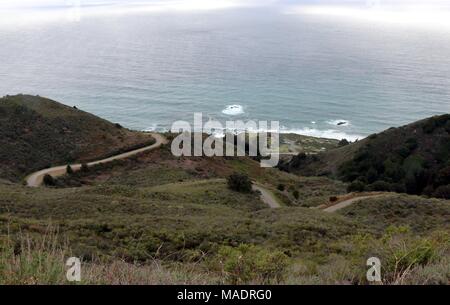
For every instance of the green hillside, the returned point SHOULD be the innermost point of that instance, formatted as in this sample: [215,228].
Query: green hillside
[413,159]
[154,218]
[36,133]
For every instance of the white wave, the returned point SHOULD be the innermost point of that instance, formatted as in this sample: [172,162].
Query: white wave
[218,134]
[155,128]
[233,110]
[328,134]
[151,128]
[339,123]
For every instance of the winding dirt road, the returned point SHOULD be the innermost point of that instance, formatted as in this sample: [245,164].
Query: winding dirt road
[36,179]
[346,203]
[266,196]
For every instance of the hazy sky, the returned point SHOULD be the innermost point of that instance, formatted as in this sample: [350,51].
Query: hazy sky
[419,12]
[36,3]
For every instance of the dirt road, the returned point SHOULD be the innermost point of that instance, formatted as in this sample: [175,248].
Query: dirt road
[266,196]
[36,179]
[346,203]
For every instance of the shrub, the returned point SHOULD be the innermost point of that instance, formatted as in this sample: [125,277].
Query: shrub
[239,183]
[412,144]
[248,264]
[403,152]
[447,126]
[84,168]
[296,194]
[379,186]
[356,186]
[49,180]
[398,188]
[442,192]
[443,177]
[393,170]
[298,160]
[69,170]
[343,142]
[281,187]
[333,199]
[372,175]
[436,122]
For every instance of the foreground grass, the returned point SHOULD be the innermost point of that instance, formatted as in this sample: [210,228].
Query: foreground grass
[191,233]
[406,259]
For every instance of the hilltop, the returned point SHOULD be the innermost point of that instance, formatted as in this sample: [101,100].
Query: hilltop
[413,159]
[36,133]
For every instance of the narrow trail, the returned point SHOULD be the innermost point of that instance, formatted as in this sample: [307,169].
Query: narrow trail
[266,196]
[348,202]
[36,179]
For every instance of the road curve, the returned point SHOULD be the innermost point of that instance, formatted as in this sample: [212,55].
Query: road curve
[36,179]
[346,203]
[266,196]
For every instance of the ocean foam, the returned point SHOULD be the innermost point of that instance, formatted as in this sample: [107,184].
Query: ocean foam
[233,110]
[156,128]
[153,127]
[328,134]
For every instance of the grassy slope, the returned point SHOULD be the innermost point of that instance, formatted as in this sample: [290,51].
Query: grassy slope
[189,222]
[174,217]
[134,222]
[160,167]
[293,143]
[36,132]
[420,214]
[177,217]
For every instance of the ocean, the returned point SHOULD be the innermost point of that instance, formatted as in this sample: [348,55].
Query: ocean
[317,76]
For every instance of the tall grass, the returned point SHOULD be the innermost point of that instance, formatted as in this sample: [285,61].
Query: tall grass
[31,261]
[406,259]
[27,260]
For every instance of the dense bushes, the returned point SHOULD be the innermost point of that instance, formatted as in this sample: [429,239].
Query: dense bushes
[356,186]
[392,161]
[239,183]
[380,186]
[281,187]
[343,142]
[442,192]
[84,168]
[436,122]
[49,180]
